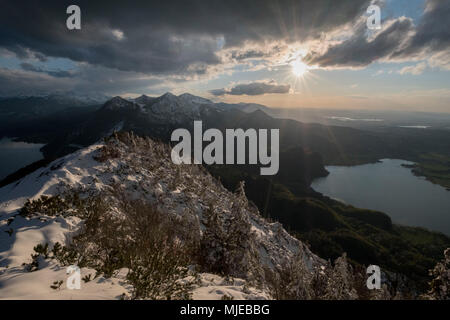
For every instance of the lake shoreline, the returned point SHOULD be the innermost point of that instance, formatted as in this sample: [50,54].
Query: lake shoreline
[390,186]
[16,155]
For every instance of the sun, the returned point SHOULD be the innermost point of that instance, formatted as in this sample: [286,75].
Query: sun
[299,68]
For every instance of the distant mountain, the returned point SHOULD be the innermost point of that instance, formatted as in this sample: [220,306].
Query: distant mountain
[144,100]
[45,105]
[40,118]
[170,108]
[246,107]
[374,120]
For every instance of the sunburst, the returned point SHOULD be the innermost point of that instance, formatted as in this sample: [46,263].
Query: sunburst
[299,68]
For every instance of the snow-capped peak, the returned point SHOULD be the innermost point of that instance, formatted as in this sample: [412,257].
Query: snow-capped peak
[144,100]
[118,103]
[168,95]
[194,99]
[177,109]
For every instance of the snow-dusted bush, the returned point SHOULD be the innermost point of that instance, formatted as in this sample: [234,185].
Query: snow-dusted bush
[341,281]
[294,280]
[40,253]
[45,205]
[156,258]
[122,233]
[107,152]
[227,244]
[291,281]
[69,203]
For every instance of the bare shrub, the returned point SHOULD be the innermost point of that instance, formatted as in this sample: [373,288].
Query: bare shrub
[295,281]
[108,151]
[227,244]
[136,235]
[341,281]
[157,258]
[291,281]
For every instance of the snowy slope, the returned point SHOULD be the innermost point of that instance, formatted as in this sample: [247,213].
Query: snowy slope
[148,173]
[177,109]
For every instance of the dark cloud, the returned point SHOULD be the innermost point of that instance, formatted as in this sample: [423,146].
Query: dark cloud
[25,53]
[110,81]
[432,34]
[359,51]
[17,82]
[88,79]
[172,37]
[58,73]
[253,89]
[250,54]
[218,92]
[399,40]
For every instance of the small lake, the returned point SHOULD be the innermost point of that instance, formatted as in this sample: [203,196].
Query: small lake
[16,155]
[388,187]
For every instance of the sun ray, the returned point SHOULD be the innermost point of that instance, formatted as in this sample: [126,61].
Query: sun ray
[299,68]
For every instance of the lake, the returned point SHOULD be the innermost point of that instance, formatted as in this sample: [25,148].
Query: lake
[388,187]
[16,155]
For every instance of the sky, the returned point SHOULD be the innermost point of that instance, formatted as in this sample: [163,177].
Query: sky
[280,53]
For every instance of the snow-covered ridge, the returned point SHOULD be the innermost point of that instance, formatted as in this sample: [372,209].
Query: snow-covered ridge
[168,108]
[149,174]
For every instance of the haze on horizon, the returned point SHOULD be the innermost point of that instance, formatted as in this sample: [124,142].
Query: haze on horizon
[314,54]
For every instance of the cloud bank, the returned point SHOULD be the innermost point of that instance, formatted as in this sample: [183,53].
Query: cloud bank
[253,89]
[399,40]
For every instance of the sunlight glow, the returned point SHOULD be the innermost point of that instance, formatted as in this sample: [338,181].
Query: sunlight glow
[299,68]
